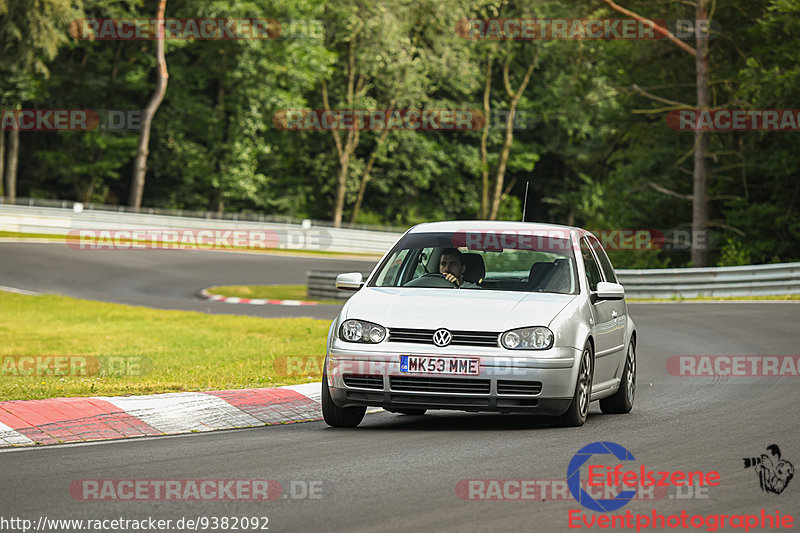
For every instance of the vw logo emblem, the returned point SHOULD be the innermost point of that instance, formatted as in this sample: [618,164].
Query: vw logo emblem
[442,337]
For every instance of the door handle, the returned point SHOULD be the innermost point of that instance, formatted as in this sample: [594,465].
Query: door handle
[613,313]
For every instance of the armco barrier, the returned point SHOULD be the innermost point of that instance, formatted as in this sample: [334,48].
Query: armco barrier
[753,280]
[750,280]
[304,236]
[322,285]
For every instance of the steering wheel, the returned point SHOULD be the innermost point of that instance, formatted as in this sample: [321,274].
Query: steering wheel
[432,279]
[438,275]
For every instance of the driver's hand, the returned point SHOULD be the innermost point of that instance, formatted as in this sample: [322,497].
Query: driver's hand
[451,278]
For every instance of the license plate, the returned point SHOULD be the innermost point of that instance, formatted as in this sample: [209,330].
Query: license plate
[467,366]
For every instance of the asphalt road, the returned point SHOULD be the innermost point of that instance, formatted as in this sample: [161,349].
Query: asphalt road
[164,279]
[399,473]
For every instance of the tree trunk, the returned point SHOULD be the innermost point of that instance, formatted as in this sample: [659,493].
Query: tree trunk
[700,192]
[216,204]
[12,157]
[700,174]
[366,176]
[341,182]
[509,139]
[501,164]
[487,91]
[346,150]
[140,164]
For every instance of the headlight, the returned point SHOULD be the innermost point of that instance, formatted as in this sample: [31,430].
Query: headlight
[536,338]
[361,331]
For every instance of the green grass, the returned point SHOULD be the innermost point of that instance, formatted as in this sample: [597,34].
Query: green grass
[778,297]
[268,292]
[184,351]
[18,235]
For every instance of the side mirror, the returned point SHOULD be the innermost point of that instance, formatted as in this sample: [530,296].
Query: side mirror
[610,291]
[351,281]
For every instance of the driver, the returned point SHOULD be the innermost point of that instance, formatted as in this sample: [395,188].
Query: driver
[451,267]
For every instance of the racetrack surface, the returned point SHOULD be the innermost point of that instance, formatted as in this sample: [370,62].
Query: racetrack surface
[399,473]
[163,279]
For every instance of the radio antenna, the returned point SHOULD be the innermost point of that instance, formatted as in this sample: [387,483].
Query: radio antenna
[525,202]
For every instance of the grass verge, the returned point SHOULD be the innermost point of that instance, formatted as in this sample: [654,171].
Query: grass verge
[171,351]
[268,292]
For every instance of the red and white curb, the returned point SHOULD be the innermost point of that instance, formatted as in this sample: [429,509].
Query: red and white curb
[66,420]
[252,301]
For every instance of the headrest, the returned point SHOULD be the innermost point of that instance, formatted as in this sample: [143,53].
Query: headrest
[538,272]
[476,269]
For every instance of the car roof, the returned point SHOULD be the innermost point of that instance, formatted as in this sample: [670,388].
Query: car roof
[489,225]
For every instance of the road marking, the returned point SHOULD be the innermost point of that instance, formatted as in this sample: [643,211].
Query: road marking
[19,291]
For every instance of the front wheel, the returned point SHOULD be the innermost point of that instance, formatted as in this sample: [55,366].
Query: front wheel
[621,402]
[339,417]
[579,407]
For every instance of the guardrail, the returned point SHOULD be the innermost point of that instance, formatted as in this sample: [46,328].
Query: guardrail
[751,280]
[244,215]
[322,285]
[304,236]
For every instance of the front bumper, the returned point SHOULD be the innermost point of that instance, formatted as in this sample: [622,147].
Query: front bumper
[542,384]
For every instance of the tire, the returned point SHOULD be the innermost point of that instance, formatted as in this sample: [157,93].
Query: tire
[621,402]
[339,417]
[575,415]
[410,411]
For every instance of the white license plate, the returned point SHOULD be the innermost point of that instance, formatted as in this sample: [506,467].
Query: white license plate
[467,366]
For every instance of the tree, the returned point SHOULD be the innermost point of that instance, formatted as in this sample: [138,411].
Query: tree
[700,175]
[162,76]
[387,59]
[31,34]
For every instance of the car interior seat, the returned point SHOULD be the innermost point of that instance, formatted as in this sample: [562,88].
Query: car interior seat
[537,274]
[476,269]
[558,278]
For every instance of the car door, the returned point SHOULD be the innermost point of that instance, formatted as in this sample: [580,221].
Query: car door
[606,325]
[619,308]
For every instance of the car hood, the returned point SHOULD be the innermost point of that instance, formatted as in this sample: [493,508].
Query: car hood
[468,309]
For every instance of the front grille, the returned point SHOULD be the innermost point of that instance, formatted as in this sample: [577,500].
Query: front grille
[519,388]
[460,338]
[447,385]
[363,382]
[467,403]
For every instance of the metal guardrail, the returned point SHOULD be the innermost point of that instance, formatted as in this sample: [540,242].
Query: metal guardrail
[751,280]
[322,285]
[304,236]
[244,216]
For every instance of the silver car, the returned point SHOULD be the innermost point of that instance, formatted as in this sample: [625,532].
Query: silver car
[483,316]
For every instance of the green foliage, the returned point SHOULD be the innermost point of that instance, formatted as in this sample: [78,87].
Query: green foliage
[733,253]
[594,145]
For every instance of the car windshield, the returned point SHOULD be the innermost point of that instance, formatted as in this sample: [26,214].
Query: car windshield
[492,260]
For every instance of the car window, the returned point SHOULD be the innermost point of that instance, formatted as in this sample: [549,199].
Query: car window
[491,262]
[425,262]
[605,263]
[592,268]
[391,273]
